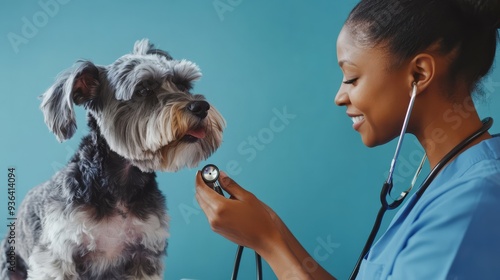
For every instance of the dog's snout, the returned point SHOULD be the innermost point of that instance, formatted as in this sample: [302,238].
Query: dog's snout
[199,108]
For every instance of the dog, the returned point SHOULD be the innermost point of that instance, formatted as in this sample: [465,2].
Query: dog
[102,217]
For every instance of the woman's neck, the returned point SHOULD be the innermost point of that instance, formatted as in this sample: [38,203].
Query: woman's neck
[451,123]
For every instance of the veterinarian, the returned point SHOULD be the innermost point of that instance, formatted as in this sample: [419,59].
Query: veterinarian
[418,58]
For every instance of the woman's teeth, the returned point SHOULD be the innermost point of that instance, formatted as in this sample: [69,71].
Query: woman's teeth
[357,119]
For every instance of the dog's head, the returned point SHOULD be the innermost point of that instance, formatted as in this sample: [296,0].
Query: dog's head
[143,106]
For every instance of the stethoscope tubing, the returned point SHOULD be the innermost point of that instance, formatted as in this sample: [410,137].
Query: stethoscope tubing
[210,175]
[386,188]
[403,132]
[487,123]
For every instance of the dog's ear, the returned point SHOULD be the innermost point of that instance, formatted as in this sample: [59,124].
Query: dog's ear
[141,47]
[184,73]
[78,85]
[160,53]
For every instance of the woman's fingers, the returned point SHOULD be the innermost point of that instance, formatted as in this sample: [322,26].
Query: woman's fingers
[206,197]
[231,187]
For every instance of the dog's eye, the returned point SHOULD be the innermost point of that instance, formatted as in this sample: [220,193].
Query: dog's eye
[181,87]
[144,92]
[146,88]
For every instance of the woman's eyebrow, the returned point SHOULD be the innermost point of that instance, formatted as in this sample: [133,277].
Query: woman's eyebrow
[346,61]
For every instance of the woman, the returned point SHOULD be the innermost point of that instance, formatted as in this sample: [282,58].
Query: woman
[388,51]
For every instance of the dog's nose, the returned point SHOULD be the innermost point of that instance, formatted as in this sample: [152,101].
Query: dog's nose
[199,108]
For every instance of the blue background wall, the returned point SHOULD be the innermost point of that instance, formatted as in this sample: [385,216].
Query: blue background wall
[260,59]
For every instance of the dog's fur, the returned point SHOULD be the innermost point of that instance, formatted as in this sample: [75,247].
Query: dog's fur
[102,217]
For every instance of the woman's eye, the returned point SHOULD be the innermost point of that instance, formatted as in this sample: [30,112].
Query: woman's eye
[350,82]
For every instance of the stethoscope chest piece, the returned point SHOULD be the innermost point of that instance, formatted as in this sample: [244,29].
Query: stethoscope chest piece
[210,175]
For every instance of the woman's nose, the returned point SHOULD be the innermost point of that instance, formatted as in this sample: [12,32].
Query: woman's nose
[342,98]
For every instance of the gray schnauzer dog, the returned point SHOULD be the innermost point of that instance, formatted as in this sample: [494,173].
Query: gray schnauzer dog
[102,217]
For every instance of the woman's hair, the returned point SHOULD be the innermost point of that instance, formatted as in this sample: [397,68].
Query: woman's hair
[465,29]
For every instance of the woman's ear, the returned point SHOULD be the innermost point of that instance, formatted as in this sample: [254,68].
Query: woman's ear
[423,68]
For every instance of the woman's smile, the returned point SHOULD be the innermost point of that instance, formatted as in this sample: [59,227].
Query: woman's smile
[357,121]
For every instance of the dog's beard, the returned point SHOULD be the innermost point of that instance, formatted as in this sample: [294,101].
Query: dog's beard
[188,153]
[163,141]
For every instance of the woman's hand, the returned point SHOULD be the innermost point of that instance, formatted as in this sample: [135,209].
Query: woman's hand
[242,218]
[245,220]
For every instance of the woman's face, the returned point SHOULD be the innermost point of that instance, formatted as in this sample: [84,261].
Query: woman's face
[375,96]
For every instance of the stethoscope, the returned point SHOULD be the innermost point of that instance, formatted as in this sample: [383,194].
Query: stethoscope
[210,175]
[387,186]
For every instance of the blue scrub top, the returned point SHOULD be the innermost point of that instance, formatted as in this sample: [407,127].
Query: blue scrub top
[453,231]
